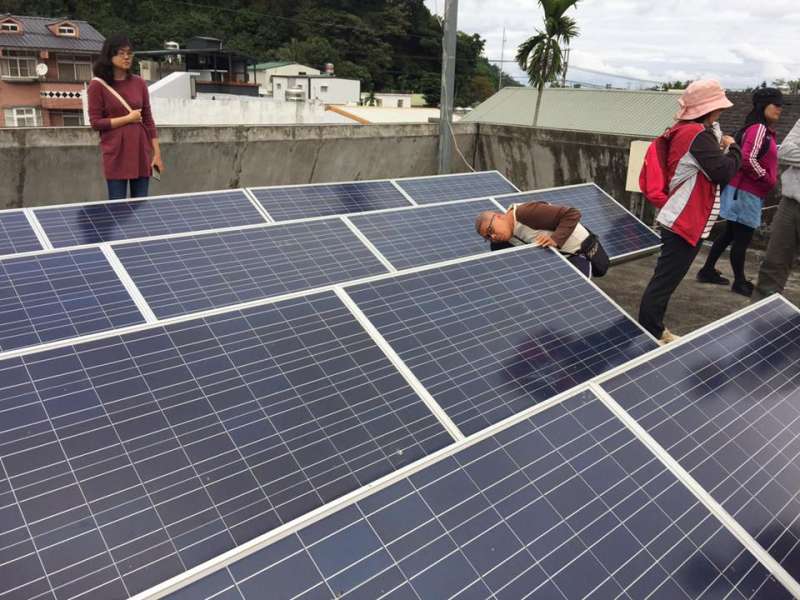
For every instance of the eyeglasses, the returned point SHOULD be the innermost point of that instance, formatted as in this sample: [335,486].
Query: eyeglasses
[125,53]
[490,229]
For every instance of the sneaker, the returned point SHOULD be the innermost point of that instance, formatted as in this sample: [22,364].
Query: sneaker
[668,337]
[714,277]
[745,288]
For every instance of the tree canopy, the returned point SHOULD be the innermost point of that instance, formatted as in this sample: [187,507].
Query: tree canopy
[390,45]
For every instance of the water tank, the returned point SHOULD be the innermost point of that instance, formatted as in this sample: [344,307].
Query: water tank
[329,68]
[295,95]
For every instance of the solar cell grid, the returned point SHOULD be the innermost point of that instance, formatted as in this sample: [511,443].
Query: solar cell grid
[130,459]
[620,232]
[297,202]
[493,336]
[426,190]
[55,296]
[16,234]
[567,504]
[425,235]
[188,274]
[160,215]
[726,406]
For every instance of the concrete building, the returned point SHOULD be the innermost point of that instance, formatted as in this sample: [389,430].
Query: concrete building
[389,100]
[265,72]
[44,65]
[324,88]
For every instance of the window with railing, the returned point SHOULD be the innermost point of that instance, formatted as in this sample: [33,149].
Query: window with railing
[74,68]
[18,63]
[23,116]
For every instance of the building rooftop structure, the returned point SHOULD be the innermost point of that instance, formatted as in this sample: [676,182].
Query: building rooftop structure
[42,33]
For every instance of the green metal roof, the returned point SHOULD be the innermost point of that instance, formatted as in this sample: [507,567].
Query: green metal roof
[601,111]
[273,65]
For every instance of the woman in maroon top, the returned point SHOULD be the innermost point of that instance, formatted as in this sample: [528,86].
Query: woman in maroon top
[128,138]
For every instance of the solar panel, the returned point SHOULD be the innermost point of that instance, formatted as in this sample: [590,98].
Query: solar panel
[565,505]
[130,459]
[620,232]
[160,215]
[188,274]
[445,188]
[491,337]
[16,234]
[51,297]
[726,406]
[298,202]
[425,235]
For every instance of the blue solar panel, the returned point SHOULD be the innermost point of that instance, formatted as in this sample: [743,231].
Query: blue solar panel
[566,505]
[426,190]
[131,459]
[185,275]
[620,232]
[425,235]
[491,337]
[51,297]
[726,406]
[298,202]
[16,234]
[108,221]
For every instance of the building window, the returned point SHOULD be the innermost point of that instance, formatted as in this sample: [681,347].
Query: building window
[9,26]
[399,104]
[278,86]
[74,68]
[323,89]
[66,30]
[69,118]
[18,63]
[23,117]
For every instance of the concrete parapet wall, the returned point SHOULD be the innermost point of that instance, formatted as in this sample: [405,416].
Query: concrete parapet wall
[42,166]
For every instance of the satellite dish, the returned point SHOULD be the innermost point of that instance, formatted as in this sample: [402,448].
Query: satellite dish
[41,69]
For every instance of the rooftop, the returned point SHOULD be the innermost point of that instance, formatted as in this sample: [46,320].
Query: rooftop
[35,34]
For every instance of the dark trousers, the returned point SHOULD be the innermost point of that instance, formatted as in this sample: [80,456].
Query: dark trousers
[738,236]
[673,263]
[784,242]
[118,188]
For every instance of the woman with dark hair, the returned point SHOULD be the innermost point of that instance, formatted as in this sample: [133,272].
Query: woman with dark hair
[742,200]
[119,108]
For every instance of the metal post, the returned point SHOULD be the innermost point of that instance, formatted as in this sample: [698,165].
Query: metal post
[502,60]
[448,84]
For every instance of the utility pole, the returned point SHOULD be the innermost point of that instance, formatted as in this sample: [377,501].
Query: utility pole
[566,67]
[448,85]
[502,60]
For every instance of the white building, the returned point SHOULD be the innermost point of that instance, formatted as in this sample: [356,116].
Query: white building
[266,71]
[390,100]
[322,88]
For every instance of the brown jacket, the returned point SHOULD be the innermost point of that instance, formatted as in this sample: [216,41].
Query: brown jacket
[559,219]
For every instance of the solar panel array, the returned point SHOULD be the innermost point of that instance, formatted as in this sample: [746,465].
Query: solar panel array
[188,274]
[621,233]
[426,190]
[128,458]
[56,296]
[567,504]
[75,225]
[133,458]
[16,234]
[726,406]
[298,202]
[492,337]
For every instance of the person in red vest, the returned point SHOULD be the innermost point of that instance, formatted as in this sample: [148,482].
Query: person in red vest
[119,108]
[700,160]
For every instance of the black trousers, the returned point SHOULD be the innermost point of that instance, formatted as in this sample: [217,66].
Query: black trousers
[673,263]
[739,237]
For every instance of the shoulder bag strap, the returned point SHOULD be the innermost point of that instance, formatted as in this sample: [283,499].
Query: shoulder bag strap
[114,93]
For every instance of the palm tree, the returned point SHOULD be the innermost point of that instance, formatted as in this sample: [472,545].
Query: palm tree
[541,55]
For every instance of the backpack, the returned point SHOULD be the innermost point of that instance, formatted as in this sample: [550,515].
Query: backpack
[653,178]
[739,137]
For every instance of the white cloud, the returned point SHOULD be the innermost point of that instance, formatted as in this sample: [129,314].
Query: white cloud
[740,42]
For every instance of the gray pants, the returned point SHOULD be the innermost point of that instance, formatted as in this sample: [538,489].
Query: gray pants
[784,242]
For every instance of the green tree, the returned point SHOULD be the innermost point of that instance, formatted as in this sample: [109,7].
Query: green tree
[541,55]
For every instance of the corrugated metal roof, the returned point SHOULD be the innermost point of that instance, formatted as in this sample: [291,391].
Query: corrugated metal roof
[35,34]
[600,111]
[273,65]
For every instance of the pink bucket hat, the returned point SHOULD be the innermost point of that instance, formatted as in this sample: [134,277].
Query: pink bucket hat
[701,98]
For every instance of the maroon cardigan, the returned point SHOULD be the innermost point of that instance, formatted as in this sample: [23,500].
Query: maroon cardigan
[127,150]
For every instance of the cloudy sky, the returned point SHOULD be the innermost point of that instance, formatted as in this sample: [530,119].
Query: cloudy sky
[739,42]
